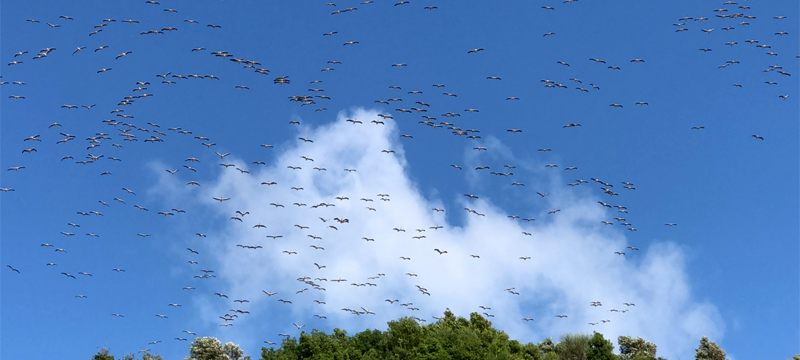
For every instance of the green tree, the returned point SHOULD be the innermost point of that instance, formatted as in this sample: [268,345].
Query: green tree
[403,337]
[232,351]
[103,355]
[573,347]
[450,337]
[209,348]
[600,348]
[551,356]
[547,346]
[708,350]
[149,356]
[145,356]
[631,348]
[206,348]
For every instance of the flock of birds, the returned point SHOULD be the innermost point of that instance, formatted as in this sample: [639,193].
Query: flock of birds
[121,132]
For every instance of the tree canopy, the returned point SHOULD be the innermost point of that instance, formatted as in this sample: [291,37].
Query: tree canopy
[450,337]
[708,350]
[636,349]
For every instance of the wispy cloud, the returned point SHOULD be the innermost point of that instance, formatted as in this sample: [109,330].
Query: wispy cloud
[572,260]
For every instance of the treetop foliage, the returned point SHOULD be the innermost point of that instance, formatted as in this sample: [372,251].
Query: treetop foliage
[450,337]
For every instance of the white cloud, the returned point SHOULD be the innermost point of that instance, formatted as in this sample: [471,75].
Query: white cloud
[572,254]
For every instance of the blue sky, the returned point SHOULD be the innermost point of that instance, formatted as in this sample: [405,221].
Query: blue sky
[732,258]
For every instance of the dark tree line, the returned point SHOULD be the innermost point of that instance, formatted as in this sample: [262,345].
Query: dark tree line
[450,337]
